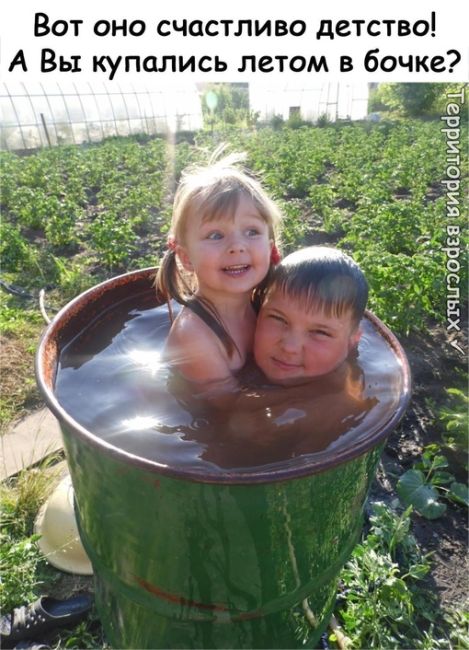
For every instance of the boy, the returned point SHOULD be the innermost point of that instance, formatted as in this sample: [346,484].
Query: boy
[309,319]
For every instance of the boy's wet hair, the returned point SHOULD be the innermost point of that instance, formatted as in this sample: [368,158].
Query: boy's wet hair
[211,192]
[323,278]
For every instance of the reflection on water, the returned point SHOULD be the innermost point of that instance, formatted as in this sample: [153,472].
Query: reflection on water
[147,359]
[112,380]
[140,423]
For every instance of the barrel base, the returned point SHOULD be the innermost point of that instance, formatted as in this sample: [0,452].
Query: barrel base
[148,629]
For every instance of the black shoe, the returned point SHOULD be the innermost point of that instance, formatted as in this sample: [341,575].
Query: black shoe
[31,621]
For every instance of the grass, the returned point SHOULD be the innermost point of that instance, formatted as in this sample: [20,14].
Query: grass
[21,330]
[21,560]
[25,573]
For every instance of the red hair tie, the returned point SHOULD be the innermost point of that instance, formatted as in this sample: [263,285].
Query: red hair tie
[171,243]
[275,256]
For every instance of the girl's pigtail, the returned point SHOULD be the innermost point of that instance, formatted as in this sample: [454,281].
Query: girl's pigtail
[166,281]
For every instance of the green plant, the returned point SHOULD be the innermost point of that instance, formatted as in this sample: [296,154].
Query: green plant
[73,276]
[60,225]
[409,98]
[277,122]
[293,225]
[20,330]
[227,104]
[323,120]
[20,559]
[455,417]
[22,497]
[15,252]
[112,238]
[19,563]
[378,607]
[405,289]
[458,622]
[425,484]
[86,634]
[295,120]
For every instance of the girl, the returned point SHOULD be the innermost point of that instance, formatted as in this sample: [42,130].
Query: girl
[220,249]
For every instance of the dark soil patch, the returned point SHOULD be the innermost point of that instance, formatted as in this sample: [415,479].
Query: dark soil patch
[446,539]
[321,238]
[434,191]
[435,366]
[345,204]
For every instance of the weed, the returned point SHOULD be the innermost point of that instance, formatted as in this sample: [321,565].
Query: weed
[455,417]
[22,497]
[87,634]
[428,481]
[73,277]
[21,561]
[15,252]
[378,601]
[458,622]
[17,347]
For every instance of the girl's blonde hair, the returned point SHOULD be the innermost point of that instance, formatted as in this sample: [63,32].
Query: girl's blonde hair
[209,193]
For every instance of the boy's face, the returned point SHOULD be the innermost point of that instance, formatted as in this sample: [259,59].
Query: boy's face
[292,345]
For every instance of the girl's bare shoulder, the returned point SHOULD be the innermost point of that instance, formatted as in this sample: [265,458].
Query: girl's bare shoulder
[196,350]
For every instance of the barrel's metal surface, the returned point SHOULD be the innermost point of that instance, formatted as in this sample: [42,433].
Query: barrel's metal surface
[189,560]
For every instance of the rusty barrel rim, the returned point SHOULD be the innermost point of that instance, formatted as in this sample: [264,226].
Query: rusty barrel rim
[290,469]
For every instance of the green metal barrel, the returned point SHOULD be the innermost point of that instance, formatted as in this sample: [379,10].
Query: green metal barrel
[186,560]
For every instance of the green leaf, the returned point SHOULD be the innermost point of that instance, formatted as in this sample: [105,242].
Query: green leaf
[459,493]
[431,450]
[426,461]
[457,391]
[442,478]
[418,571]
[413,490]
[439,462]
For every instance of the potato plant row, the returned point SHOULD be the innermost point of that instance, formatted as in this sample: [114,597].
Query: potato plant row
[373,189]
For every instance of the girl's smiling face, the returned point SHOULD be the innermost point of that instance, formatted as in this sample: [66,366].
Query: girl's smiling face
[230,254]
[293,344]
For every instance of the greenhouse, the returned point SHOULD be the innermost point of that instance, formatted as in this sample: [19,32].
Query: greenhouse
[38,115]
